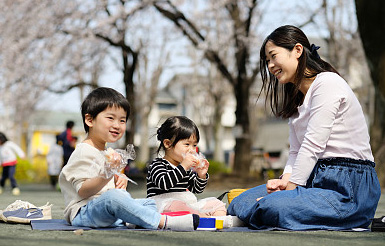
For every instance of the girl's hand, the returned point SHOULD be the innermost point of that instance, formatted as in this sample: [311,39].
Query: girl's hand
[120,182]
[274,185]
[202,169]
[189,161]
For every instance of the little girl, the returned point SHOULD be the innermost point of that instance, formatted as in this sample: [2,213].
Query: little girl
[8,159]
[172,180]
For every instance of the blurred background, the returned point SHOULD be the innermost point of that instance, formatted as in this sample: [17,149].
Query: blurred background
[196,58]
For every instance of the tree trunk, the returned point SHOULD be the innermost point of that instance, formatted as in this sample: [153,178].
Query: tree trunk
[218,131]
[371,24]
[129,68]
[242,158]
[144,153]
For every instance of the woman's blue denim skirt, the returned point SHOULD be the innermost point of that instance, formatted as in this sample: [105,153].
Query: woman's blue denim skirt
[341,193]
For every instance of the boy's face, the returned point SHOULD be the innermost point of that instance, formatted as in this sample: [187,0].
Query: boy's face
[108,126]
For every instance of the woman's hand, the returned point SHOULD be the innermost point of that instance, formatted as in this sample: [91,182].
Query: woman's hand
[291,186]
[120,182]
[278,184]
[274,185]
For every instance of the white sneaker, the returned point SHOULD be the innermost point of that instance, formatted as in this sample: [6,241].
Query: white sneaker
[188,222]
[1,190]
[16,191]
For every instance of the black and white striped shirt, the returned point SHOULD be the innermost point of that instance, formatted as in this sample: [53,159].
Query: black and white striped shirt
[162,177]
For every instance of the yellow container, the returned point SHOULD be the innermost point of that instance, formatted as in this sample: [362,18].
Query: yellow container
[219,224]
[234,193]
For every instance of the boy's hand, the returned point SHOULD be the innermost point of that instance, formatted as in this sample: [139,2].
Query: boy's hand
[202,169]
[120,182]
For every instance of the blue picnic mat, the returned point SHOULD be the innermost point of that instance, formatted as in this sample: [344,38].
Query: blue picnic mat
[62,225]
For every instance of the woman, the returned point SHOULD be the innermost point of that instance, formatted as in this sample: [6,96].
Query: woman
[329,181]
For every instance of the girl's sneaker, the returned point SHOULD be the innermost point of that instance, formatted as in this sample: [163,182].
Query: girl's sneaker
[16,191]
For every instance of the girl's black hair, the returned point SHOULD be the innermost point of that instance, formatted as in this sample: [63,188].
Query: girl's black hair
[100,99]
[176,128]
[3,138]
[284,99]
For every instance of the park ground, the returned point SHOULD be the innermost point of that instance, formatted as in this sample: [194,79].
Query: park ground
[39,194]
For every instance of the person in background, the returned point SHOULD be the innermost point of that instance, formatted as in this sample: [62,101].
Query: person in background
[55,161]
[8,158]
[68,141]
[329,181]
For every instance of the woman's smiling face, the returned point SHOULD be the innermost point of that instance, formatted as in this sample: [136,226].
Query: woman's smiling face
[282,63]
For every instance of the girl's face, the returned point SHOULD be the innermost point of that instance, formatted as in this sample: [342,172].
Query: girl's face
[176,154]
[108,126]
[282,63]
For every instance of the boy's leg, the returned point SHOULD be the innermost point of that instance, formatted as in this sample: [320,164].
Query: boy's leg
[117,204]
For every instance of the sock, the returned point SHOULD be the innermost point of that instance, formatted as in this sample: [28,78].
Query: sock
[187,222]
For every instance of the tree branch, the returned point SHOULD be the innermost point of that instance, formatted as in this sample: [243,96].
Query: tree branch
[191,32]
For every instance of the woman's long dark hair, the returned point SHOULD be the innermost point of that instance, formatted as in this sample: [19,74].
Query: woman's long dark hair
[285,99]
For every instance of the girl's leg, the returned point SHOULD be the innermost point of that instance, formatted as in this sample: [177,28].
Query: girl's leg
[4,176]
[177,205]
[12,170]
[214,207]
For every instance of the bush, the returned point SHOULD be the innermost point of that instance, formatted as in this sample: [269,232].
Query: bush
[217,167]
[35,171]
[24,172]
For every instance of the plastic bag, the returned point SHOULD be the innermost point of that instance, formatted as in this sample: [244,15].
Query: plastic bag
[116,160]
[200,157]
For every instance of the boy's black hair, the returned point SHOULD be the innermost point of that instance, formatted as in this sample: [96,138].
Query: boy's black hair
[3,138]
[100,99]
[176,128]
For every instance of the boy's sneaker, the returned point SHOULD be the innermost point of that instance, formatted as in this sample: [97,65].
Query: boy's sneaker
[1,190]
[16,191]
[188,222]
[25,215]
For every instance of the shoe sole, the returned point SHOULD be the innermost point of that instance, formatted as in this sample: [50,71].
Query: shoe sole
[2,217]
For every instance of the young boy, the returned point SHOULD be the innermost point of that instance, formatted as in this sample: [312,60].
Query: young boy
[93,200]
